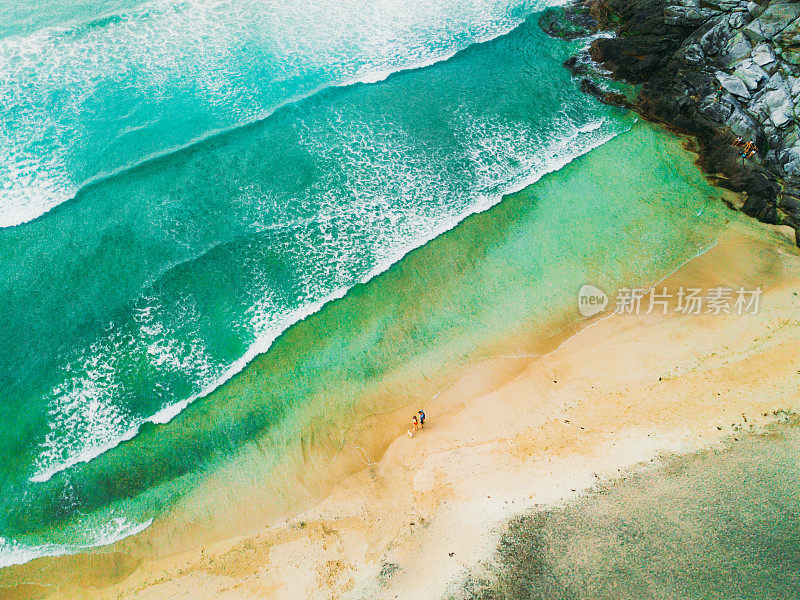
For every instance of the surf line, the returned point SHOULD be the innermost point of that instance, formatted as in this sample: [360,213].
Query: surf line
[262,345]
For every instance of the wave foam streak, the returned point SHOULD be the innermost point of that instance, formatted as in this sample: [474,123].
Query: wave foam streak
[118,528]
[86,100]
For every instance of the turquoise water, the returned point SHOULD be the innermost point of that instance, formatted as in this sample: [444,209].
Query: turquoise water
[182,181]
[22,17]
[89,87]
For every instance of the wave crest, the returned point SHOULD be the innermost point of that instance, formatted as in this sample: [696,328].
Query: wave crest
[82,102]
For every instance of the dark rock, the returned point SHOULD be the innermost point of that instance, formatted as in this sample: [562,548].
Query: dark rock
[605,96]
[568,22]
[743,125]
[691,54]
[717,107]
[716,69]
[580,65]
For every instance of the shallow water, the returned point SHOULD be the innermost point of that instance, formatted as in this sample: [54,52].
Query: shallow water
[518,264]
[149,289]
[719,524]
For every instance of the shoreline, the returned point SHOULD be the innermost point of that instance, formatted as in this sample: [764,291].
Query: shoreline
[499,272]
[508,414]
[261,346]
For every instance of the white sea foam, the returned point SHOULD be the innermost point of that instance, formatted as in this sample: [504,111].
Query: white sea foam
[86,101]
[118,528]
[413,224]
[86,418]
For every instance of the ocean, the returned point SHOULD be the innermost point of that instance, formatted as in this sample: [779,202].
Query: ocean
[223,224]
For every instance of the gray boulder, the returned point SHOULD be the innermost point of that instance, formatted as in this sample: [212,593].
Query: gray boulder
[754,9]
[772,21]
[773,106]
[689,12]
[716,39]
[792,169]
[732,84]
[728,5]
[763,55]
[684,15]
[790,138]
[751,74]
[789,35]
[742,124]
[790,56]
[789,155]
[736,49]
[794,85]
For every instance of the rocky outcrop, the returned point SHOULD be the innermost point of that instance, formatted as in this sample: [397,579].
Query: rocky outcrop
[717,69]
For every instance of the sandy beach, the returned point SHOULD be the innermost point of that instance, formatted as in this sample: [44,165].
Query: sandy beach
[515,431]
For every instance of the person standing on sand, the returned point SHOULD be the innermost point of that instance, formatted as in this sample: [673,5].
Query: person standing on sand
[421,419]
[414,427]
